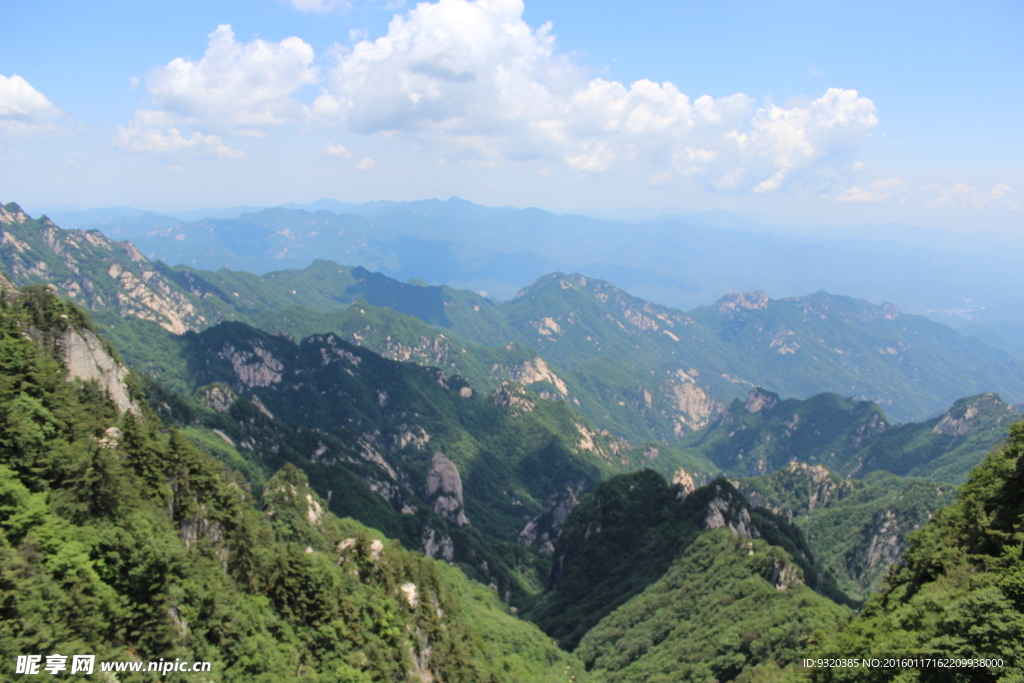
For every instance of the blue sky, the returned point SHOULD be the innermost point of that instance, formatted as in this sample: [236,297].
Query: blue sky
[821,113]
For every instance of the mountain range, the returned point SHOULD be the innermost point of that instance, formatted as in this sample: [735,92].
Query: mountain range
[676,260]
[610,469]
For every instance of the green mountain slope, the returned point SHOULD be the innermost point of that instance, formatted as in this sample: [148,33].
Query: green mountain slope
[729,609]
[822,342]
[856,529]
[763,433]
[959,591]
[626,535]
[119,538]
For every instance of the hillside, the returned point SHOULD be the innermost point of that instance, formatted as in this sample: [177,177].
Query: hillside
[856,529]
[763,433]
[629,532]
[121,539]
[958,590]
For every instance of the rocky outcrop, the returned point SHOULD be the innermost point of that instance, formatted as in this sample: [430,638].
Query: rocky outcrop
[810,487]
[684,480]
[759,399]
[255,368]
[961,417]
[86,359]
[444,490]
[781,573]
[542,531]
[436,544]
[727,508]
[885,540]
[536,370]
[218,397]
[690,407]
[509,395]
[742,301]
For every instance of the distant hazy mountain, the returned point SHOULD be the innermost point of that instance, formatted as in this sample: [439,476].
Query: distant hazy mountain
[680,261]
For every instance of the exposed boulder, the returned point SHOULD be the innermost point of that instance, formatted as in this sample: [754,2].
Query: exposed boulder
[444,490]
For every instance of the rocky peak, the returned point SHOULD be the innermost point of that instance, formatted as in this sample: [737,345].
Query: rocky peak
[742,301]
[12,213]
[726,507]
[544,529]
[444,490]
[760,399]
[961,417]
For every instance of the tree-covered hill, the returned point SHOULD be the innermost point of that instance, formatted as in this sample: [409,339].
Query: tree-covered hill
[958,591]
[763,433]
[121,539]
[856,528]
[629,532]
[728,609]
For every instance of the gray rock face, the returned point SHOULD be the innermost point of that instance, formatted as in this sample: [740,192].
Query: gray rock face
[543,530]
[727,509]
[684,480]
[960,420]
[218,398]
[436,545]
[758,399]
[444,488]
[87,360]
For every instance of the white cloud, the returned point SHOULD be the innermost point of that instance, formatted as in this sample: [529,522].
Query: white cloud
[235,85]
[240,88]
[876,191]
[146,133]
[320,6]
[473,78]
[365,164]
[969,196]
[333,150]
[23,109]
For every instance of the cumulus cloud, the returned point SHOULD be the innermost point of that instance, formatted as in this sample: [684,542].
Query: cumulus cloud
[475,79]
[365,164]
[971,197]
[23,109]
[240,88]
[153,132]
[235,85]
[876,191]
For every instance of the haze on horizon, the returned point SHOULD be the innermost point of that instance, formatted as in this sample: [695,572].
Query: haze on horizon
[787,113]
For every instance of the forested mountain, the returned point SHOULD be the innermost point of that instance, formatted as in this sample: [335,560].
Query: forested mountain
[763,433]
[959,590]
[119,538]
